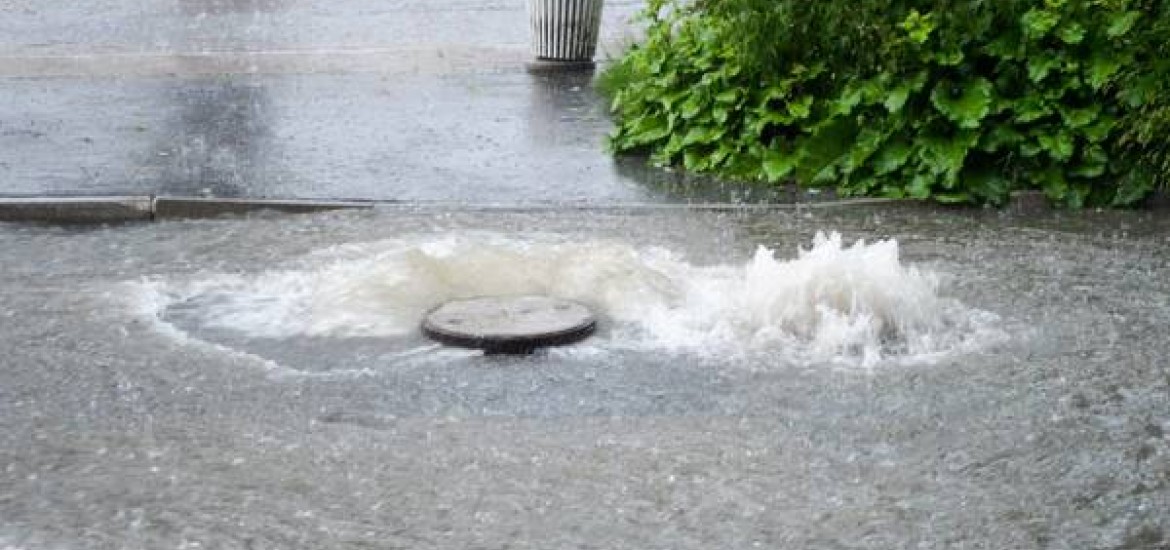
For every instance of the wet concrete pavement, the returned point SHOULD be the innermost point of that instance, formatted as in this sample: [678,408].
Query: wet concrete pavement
[411,101]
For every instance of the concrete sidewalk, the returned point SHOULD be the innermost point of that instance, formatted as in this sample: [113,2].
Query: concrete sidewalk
[398,100]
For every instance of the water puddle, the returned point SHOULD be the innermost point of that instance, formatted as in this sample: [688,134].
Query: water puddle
[829,302]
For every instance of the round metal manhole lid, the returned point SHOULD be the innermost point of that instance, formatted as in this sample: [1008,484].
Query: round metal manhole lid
[509,324]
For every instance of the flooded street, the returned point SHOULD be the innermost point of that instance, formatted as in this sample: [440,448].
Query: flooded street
[135,415]
[784,376]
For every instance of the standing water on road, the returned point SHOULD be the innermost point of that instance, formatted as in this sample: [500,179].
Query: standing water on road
[957,380]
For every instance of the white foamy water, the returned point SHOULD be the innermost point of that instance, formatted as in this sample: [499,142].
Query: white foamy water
[857,304]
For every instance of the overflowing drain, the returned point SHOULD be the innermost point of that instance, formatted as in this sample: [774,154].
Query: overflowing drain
[831,302]
[509,324]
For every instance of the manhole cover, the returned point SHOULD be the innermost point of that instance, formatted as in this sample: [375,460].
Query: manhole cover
[509,324]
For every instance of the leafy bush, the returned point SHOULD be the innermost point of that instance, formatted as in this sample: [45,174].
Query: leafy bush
[959,100]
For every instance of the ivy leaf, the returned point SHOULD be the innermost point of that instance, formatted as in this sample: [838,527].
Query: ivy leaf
[1038,23]
[1096,133]
[800,107]
[853,95]
[896,98]
[1053,184]
[1029,149]
[1000,137]
[945,155]
[1031,108]
[891,157]
[667,100]
[777,92]
[695,161]
[988,184]
[918,27]
[774,117]
[920,186]
[1079,118]
[1095,154]
[1133,187]
[1059,145]
[619,99]
[1088,170]
[965,104]
[1121,23]
[690,107]
[1007,45]
[720,113]
[745,164]
[648,129]
[949,58]
[859,186]
[1094,162]
[850,97]
[1141,91]
[1040,65]
[1100,70]
[824,149]
[778,164]
[701,134]
[728,97]
[721,154]
[673,146]
[867,143]
[1073,33]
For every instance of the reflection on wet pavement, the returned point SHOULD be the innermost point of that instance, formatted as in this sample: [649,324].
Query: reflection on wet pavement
[405,100]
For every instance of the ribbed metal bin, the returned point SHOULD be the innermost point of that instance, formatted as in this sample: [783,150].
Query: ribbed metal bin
[565,30]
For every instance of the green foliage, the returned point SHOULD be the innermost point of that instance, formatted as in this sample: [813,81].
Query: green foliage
[954,100]
[1143,127]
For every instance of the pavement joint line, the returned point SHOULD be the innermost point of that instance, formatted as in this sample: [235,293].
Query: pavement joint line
[138,208]
[692,206]
[81,209]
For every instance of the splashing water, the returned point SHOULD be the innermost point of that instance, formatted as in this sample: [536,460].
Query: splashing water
[855,304]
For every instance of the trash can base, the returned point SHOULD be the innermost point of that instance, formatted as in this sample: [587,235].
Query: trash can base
[547,66]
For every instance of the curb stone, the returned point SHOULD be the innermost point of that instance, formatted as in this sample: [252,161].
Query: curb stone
[144,208]
[197,207]
[78,210]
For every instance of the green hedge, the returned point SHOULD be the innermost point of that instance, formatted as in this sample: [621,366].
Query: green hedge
[958,101]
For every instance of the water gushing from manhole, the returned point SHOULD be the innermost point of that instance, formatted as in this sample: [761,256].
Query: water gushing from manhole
[855,304]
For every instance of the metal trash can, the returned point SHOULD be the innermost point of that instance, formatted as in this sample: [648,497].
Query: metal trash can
[564,33]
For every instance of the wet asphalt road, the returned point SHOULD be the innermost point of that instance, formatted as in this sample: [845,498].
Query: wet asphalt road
[396,100]
[115,434]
